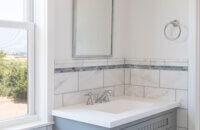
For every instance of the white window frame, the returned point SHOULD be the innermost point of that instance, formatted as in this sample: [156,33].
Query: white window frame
[29,27]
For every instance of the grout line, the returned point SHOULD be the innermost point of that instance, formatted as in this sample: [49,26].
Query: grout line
[158,87]
[103,78]
[175,95]
[118,85]
[130,76]
[145,85]
[124,76]
[124,90]
[124,80]
[62,100]
[182,127]
[159,80]
[78,82]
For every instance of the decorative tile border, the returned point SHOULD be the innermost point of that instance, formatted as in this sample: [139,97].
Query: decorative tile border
[156,67]
[89,68]
[92,68]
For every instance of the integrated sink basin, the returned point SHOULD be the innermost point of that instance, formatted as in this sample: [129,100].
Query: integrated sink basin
[118,111]
[119,106]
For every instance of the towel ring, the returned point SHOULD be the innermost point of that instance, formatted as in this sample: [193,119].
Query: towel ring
[175,23]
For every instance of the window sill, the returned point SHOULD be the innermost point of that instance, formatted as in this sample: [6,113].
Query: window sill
[22,123]
[27,126]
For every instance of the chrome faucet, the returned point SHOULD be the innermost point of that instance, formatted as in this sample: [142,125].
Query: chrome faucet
[90,98]
[104,97]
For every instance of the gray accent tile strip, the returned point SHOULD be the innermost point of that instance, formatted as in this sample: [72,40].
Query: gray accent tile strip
[92,68]
[154,67]
[89,68]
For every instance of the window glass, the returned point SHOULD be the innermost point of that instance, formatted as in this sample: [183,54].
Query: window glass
[13,10]
[13,72]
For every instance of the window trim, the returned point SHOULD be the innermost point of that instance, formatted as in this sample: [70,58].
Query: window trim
[29,10]
[17,25]
[31,71]
[31,114]
[44,59]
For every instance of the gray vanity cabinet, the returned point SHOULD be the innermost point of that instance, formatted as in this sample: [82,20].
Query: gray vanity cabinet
[159,123]
[162,121]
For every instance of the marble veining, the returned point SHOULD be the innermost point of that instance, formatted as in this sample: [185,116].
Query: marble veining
[65,82]
[105,67]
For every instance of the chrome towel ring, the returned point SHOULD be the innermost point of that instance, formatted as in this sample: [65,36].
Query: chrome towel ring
[176,24]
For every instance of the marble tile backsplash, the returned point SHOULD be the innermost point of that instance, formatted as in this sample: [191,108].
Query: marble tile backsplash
[174,79]
[71,87]
[90,80]
[136,91]
[113,77]
[66,82]
[166,79]
[160,83]
[144,77]
[166,94]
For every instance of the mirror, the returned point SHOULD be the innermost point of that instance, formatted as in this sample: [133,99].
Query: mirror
[92,28]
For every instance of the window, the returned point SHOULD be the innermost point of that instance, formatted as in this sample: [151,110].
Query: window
[13,10]
[16,59]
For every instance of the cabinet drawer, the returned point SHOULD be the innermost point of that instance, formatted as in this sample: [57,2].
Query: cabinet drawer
[160,123]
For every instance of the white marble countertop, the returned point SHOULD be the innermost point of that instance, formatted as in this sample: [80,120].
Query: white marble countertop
[119,111]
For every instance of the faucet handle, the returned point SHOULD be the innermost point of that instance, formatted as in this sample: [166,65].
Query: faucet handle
[90,99]
[108,92]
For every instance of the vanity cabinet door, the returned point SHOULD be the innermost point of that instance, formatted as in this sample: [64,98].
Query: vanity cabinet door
[160,123]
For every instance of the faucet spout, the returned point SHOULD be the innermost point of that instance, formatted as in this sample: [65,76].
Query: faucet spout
[104,97]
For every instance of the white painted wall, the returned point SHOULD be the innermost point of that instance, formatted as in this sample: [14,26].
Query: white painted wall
[138,29]
[147,19]
[63,29]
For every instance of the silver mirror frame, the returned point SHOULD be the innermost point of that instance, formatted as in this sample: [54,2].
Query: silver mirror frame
[74,37]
